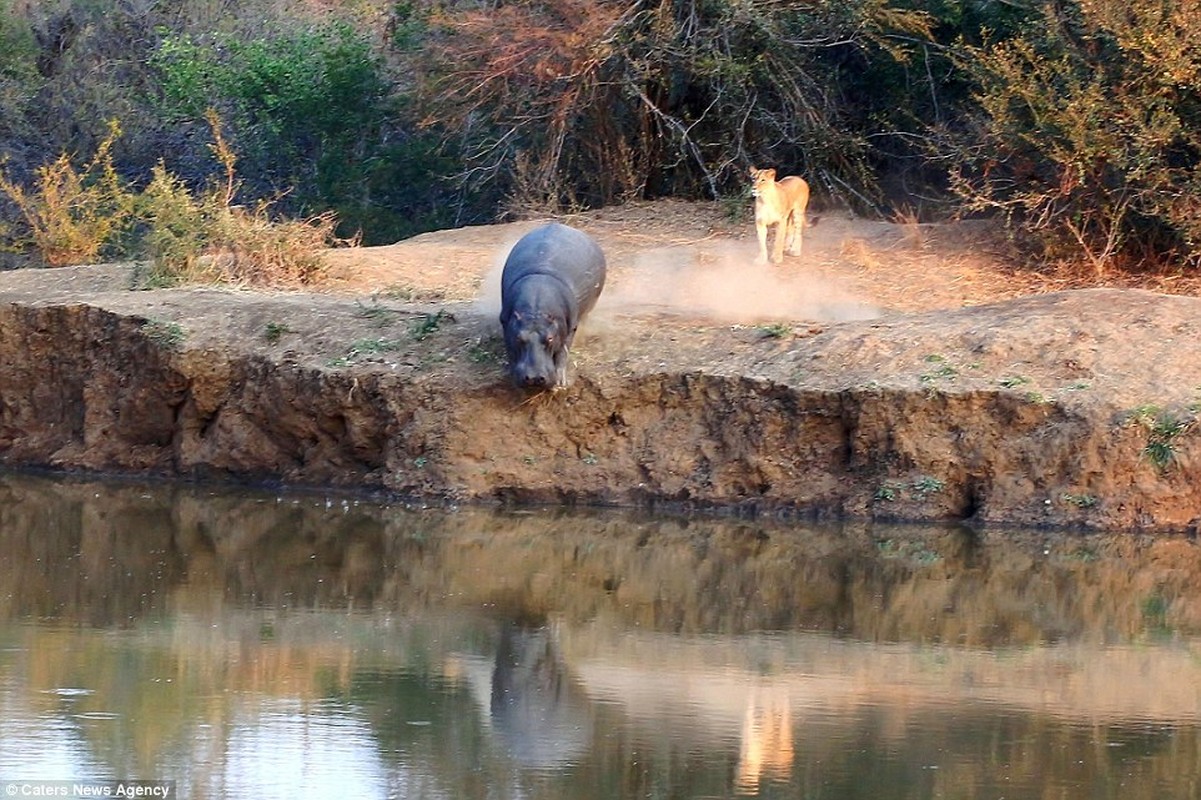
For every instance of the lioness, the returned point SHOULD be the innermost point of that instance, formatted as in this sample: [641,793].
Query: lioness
[781,203]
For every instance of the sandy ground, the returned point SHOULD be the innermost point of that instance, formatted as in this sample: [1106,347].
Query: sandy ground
[692,260]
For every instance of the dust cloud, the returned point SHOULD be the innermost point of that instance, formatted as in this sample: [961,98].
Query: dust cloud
[487,304]
[720,282]
[725,284]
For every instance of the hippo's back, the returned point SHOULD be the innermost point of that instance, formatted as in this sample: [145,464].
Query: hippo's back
[555,249]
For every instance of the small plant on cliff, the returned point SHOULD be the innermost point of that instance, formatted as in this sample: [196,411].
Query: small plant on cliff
[275,331]
[165,333]
[489,350]
[1037,398]
[1013,381]
[1079,500]
[366,348]
[940,369]
[776,330]
[889,491]
[1163,428]
[926,485]
[380,316]
[73,214]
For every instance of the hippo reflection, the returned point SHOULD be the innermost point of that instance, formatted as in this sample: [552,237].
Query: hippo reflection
[537,708]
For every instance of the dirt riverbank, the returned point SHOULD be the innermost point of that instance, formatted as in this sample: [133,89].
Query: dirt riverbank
[892,371]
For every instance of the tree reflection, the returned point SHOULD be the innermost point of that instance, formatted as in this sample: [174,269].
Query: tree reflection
[164,632]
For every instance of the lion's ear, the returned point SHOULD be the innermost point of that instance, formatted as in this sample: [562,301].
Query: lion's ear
[754,172]
[770,174]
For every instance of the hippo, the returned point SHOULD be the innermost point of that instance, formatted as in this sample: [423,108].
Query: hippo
[551,280]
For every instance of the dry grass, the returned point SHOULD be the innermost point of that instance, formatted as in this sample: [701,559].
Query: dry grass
[208,239]
[233,245]
[72,214]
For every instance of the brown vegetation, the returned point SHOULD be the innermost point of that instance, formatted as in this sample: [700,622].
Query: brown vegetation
[1072,122]
[72,214]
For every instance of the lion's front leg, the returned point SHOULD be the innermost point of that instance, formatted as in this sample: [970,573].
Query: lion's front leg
[761,231]
[777,254]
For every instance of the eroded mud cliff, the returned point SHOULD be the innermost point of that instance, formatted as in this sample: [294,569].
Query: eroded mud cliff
[1062,409]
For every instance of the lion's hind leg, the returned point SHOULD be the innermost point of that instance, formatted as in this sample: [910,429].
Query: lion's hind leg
[794,225]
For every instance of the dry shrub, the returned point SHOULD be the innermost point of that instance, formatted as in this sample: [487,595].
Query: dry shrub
[206,238]
[72,214]
[523,83]
[252,248]
[587,102]
[1088,139]
[908,221]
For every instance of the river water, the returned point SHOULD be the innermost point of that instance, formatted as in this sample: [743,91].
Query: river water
[250,645]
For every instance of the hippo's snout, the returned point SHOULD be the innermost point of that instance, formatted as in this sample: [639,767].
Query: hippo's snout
[536,367]
[530,381]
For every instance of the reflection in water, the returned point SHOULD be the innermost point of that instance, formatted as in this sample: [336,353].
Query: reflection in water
[766,745]
[253,646]
[291,749]
[45,745]
[540,713]
[526,697]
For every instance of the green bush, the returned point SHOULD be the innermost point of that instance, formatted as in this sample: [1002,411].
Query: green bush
[304,88]
[308,109]
[18,49]
[18,84]
[1088,133]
